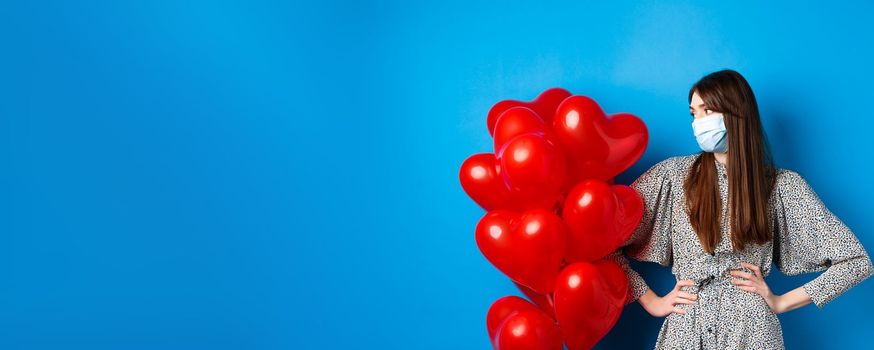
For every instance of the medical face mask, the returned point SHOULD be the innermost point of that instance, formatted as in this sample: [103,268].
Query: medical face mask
[710,132]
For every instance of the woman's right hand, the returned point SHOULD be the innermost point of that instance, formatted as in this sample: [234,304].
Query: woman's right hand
[663,306]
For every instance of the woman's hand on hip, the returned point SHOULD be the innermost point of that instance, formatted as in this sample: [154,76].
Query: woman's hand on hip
[661,307]
[755,282]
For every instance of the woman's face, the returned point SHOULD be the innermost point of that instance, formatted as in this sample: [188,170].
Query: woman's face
[697,108]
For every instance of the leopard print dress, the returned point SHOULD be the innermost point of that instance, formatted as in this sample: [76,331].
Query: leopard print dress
[808,238]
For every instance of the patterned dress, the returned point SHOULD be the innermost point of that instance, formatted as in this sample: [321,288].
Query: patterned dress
[807,238]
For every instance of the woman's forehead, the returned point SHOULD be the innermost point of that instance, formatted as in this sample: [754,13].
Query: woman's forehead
[696,101]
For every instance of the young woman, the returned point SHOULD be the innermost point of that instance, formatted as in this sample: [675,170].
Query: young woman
[720,218]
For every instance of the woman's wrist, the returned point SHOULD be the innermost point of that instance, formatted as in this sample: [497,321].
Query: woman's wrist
[647,300]
[775,302]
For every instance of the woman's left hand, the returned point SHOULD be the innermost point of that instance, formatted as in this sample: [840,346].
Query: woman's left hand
[754,282]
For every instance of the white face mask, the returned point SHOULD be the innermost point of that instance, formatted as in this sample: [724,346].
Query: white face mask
[710,132]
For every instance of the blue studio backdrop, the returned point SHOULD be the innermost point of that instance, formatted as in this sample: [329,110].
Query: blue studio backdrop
[274,175]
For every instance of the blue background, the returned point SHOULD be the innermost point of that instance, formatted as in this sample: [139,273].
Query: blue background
[265,175]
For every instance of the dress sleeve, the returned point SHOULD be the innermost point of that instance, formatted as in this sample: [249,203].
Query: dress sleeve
[810,238]
[651,240]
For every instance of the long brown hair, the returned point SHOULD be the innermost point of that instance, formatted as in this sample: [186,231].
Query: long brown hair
[750,167]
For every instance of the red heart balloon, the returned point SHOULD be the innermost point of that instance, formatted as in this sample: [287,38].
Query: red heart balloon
[517,121]
[589,298]
[533,167]
[543,301]
[598,147]
[528,248]
[599,218]
[528,330]
[503,308]
[544,105]
[482,181]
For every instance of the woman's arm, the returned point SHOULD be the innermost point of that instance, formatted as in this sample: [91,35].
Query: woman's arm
[790,301]
[651,239]
[811,238]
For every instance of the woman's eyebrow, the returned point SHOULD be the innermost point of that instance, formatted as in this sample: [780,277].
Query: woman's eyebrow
[699,106]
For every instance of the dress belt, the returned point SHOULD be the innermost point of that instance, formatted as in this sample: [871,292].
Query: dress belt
[714,272]
[715,281]
[712,282]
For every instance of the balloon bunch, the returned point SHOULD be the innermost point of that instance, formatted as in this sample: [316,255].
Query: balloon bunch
[554,214]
